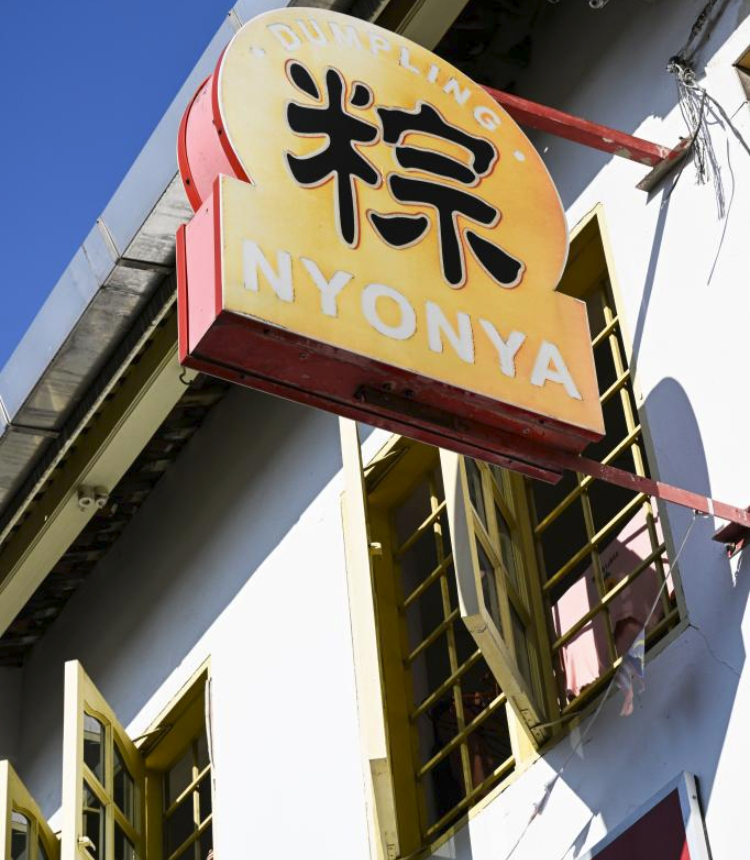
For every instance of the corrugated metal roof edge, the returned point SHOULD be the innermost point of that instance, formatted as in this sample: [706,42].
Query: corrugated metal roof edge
[107,284]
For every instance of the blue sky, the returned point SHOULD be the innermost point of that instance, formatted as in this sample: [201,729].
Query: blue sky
[85,82]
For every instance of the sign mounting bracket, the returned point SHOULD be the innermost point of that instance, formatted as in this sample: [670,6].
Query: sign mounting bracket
[660,159]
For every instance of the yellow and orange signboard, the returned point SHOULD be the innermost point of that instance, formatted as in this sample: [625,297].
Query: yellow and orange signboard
[384,241]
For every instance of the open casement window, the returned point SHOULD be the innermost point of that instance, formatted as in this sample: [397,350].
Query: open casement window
[451,736]
[179,801]
[24,832]
[493,581]
[103,778]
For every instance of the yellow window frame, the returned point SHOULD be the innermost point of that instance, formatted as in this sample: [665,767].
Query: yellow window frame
[82,698]
[15,797]
[390,742]
[590,273]
[173,732]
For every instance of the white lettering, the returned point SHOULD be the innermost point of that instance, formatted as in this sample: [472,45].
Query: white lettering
[432,74]
[506,349]
[404,59]
[329,290]
[253,260]
[346,36]
[452,88]
[486,118]
[408,325]
[438,325]
[318,38]
[549,365]
[378,43]
[286,36]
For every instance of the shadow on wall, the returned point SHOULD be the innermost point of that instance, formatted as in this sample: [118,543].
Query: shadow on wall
[681,721]
[599,76]
[240,485]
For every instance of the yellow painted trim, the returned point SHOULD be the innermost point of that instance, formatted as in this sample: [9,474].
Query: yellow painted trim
[121,424]
[165,741]
[82,697]
[380,797]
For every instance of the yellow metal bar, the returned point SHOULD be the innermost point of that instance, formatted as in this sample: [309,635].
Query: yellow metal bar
[585,482]
[427,581]
[617,520]
[192,787]
[596,686]
[621,381]
[192,839]
[459,738]
[588,517]
[434,635]
[445,686]
[605,332]
[505,768]
[624,583]
[458,700]
[421,529]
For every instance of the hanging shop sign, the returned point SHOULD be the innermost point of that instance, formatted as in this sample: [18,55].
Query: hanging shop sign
[375,236]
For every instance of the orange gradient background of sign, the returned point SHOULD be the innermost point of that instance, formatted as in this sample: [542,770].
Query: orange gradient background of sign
[253,92]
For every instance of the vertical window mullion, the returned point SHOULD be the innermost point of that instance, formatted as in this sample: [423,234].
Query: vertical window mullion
[588,517]
[196,798]
[451,637]
[109,791]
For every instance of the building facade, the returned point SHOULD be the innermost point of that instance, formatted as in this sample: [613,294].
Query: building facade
[239,625]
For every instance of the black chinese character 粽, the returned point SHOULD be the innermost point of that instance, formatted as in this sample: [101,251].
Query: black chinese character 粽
[448,201]
[339,159]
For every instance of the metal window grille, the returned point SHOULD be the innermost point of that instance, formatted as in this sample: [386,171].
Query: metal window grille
[601,541]
[458,725]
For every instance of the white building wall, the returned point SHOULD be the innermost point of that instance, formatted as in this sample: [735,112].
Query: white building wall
[237,556]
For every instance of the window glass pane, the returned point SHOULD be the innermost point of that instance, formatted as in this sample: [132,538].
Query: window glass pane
[124,787]
[489,587]
[94,825]
[521,644]
[93,746]
[42,855]
[506,548]
[19,836]
[124,848]
[180,825]
[179,777]
[474,480]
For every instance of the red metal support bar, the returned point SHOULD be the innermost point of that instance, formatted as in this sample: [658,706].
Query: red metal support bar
[533,115]
[735,535]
